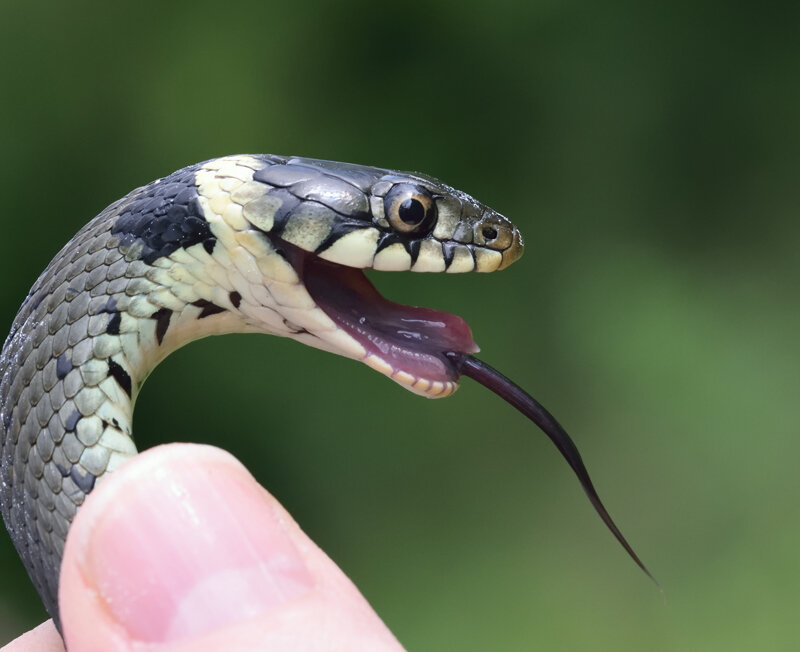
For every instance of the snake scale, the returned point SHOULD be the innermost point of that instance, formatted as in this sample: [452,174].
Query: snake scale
[249,243]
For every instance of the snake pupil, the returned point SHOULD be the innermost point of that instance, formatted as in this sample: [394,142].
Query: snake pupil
[490,233]
[411,211]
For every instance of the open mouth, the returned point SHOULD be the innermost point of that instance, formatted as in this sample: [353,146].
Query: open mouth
[407,343]
[427,351]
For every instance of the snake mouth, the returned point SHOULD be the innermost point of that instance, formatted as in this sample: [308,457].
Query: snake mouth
[407,343]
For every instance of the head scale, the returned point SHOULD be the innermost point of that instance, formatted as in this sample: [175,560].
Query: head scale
[368,217]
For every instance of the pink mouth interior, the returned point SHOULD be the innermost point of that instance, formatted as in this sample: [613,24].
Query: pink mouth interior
[407,338]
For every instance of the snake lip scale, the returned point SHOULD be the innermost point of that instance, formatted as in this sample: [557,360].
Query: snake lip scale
[255,243]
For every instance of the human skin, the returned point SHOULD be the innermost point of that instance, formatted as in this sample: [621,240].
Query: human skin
[181,549]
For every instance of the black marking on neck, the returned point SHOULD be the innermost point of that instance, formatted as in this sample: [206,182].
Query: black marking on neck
[236,298]
[63,366]
[72,421]
[162,317]
[208,308]
[110,306]
[165,216]
[113,323]
[294,328]
[84,482]
[122,377]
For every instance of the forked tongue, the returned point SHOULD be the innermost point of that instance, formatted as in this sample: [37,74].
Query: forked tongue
[512,393]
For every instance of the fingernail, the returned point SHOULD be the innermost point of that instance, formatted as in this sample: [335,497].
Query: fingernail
[186,549]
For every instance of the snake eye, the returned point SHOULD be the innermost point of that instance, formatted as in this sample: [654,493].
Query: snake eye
[489,232]
[409,208]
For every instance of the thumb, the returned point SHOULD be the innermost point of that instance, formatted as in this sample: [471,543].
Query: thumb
[181,549]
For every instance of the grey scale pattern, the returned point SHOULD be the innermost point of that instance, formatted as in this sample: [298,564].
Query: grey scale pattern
[50,393]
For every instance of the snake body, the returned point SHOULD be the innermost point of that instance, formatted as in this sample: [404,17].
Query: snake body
[251,243]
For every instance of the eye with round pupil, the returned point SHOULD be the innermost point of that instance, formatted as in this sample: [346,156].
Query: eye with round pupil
[411,211]
[489,232]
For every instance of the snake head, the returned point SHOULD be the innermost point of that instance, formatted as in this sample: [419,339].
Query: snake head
[333,220]
[365,217]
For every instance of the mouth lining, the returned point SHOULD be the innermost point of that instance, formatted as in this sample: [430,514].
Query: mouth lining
[407,343]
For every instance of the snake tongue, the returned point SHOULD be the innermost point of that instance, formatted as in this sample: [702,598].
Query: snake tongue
[406,338]
[513,394]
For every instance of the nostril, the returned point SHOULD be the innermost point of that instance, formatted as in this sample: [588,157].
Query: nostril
[489,232]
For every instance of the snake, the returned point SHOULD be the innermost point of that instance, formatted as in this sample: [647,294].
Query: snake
[247,243]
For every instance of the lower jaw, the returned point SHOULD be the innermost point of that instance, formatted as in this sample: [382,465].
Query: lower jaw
[406,343]
[422,386]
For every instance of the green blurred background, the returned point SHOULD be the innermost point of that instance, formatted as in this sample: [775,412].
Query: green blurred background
[648,151]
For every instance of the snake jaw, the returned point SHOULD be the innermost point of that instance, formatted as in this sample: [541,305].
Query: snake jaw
[417,385]
[408,344]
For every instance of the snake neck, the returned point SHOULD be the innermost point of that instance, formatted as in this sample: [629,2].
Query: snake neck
[179,299]
[95,324]
[107,383]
